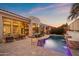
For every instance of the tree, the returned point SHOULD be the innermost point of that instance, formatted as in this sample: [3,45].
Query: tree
[74,13]
[59,30]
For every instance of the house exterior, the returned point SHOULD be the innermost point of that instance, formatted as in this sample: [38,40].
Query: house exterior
[74,25]
[46,28]
[43,28]
[34,27]
[73,34]
[13,24]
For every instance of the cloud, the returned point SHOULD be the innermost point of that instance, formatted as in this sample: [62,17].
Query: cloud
[55,16]
[37,9]
[63,9]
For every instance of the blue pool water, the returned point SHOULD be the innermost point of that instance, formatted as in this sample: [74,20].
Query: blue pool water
[57,43]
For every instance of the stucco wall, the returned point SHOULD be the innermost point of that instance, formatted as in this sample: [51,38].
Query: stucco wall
[1,27]
[74,25]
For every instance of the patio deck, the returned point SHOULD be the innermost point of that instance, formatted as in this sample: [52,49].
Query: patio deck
[24,48]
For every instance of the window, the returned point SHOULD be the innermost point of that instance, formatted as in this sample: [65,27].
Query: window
[16,27]
[7,26]
[7,29]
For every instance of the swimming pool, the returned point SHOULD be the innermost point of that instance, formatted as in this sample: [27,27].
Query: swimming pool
[57,43]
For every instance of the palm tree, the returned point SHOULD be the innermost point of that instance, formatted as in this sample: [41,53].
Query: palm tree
[74,13]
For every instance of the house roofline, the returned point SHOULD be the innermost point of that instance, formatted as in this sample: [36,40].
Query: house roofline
[14,14]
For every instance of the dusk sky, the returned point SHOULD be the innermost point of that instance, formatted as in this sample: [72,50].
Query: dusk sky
[53,14]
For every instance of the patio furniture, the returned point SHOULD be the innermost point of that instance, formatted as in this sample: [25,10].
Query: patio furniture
[9,39]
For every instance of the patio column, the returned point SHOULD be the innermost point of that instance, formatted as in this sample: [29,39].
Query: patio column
[12,27]
[44,30]
[1,27]
[30,29]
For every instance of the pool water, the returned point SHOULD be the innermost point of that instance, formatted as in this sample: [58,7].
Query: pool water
[57,43]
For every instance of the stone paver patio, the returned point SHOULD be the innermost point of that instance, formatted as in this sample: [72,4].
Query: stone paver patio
[24,48]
